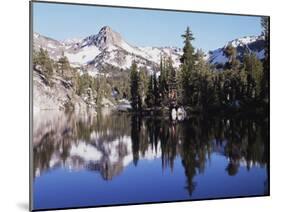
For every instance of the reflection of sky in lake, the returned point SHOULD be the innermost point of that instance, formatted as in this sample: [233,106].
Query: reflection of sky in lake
[95,162]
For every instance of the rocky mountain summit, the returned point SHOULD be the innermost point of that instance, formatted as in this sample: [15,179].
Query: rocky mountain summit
[247,44]
[105,49]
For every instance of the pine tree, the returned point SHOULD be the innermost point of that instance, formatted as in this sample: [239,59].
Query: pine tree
[163,86]
[64,66]
[156,93]
[43,62]
[265,33]
[217,91]
[149,94]
[187,67]
[188,50]
[231,53]
[203,89]
[265,78]
[135,92]
[143,80]
[201,65]
[254,70]
[172,83]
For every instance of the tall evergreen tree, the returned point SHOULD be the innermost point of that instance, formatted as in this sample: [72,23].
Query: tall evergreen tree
[156,93]
[188,50]
[135,88]
[172,83]
[265,32]
[143,84]
[163,86]
[201,65]
[231,53]
[43,62]
[254,70]
[265,78]
[202,80]
[64,66]
[187,67]
[149,100]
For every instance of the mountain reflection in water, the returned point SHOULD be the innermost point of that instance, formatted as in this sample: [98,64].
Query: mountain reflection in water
[107,143]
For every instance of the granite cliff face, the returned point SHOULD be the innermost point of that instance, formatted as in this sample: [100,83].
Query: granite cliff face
[58,94]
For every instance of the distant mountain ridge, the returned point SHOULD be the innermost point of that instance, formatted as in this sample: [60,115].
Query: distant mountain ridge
[107,48]
[247,44]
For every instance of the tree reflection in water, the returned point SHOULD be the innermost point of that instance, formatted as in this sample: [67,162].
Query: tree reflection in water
[108,142]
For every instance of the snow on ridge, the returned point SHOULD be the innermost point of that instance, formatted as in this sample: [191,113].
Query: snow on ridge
[217,56]
[243,40]
[36,35]
[84,56]
[71,41]
[50,45]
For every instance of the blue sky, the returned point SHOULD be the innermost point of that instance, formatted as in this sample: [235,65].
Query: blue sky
[142,27]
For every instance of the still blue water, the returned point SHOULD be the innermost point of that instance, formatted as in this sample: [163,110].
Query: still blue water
[119,159]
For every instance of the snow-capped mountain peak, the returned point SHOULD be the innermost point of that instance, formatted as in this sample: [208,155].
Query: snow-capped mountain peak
[243,41]
[246,44]
[106,37]
[107,47]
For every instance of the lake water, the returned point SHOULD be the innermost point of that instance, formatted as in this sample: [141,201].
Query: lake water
[117,158]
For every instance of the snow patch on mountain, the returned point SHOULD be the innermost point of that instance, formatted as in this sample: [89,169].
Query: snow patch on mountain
[218,57]
[242,41]
[71,41]
[84,56]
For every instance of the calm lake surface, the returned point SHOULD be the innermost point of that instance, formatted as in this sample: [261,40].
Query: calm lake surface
[118,158]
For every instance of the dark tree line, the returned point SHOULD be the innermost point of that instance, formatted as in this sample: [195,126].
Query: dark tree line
[240,84]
